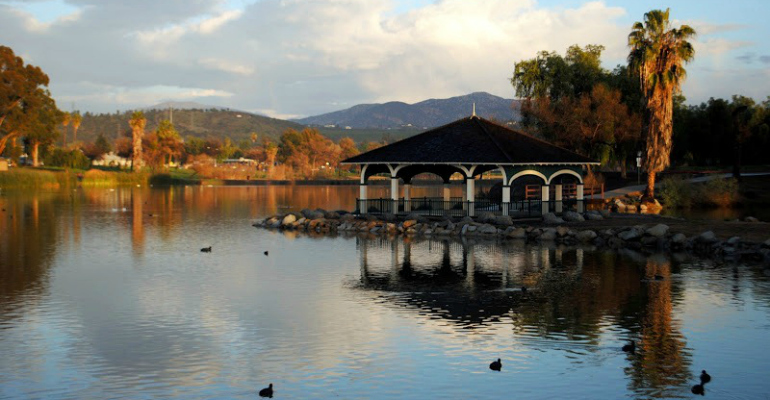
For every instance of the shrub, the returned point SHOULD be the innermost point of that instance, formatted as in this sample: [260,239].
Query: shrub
[675,193]
[718,192]
[66,158]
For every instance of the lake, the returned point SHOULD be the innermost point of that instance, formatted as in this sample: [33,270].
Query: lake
[104,293]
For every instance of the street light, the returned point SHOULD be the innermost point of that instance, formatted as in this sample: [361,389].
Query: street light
[638,167]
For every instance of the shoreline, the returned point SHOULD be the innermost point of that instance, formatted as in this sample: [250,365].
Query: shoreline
[734,241]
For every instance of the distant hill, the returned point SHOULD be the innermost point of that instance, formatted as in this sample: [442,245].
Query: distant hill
[202,123]
[425,114]
[185,105]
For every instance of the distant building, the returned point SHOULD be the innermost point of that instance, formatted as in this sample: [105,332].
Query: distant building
[113,160]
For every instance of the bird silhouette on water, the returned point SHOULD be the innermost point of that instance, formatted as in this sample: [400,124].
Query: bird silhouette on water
[698,389]
[206,249]
[496,365]
[267,392]
[704,377]
[265,252]
[630,347]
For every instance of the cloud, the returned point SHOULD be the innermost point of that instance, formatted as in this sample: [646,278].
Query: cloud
[291,57]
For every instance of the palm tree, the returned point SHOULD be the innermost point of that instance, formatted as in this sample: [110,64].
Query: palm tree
[657,54]
[137,123]
[75,119]
[65,120]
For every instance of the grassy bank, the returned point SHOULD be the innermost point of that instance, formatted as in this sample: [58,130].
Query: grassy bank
[33,178]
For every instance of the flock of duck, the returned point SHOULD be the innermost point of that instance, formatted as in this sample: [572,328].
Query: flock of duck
[696,389]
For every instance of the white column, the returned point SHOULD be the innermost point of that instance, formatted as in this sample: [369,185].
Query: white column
[580,199]
[364,208]
[394,195]
[558,198]
[446,196]
[470,195]
[506,198]
[544,198]
[407,197]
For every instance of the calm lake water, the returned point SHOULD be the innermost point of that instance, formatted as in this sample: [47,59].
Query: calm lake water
[105,294]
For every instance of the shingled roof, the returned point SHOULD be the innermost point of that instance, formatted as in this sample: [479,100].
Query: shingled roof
[471,140]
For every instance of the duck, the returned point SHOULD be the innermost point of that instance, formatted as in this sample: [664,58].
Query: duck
[704,377]
[630,347]
[206,249]
[496,365]
[265,252]
[267,392]
[698,389]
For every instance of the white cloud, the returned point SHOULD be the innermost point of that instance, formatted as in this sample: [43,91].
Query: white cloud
[314,55]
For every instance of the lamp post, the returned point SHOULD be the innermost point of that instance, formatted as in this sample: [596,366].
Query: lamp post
[638,167]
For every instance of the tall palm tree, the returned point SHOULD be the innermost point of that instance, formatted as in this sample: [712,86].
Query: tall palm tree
[65,120]
[137,123]
[658,52]
[75,119]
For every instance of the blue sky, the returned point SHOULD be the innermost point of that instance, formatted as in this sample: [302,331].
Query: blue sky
[289,58]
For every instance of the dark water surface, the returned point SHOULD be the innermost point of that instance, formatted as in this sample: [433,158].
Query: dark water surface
[105,294]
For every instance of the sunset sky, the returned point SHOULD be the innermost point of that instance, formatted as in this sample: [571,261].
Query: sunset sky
[292,58]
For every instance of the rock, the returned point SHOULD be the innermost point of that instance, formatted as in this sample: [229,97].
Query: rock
[551,218]
[766,243]
[734,241]
[658,231]
[572,216]
[607,232]
[518,233]
[605,213]
[614,242]
[562,230]
[630,234]
[620,204]
[464,230]
[679,239]
[586,236]
[707,237]
[472,228]
[503,220]
[410,223]
[548,234]
[488,229]
[486,217]
[288,219]
[750,219]
[593,216]
[331,215]
[650,241]
[466,220]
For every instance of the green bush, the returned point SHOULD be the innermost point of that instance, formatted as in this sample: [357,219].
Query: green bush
[718,192]
[66,158]
[675,193]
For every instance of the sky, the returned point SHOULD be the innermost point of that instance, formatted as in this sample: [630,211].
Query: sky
[296,58]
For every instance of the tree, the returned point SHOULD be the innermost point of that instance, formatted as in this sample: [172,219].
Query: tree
[137,123]
[20,93]
[170,143]
[97,150]
[657,55]
[75,119]
[43,123]
[64,122]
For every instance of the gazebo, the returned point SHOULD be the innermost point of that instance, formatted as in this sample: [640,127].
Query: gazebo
[470,147]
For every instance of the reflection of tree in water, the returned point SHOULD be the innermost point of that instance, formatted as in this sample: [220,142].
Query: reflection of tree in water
[569,290]
[660,369]
[28,239]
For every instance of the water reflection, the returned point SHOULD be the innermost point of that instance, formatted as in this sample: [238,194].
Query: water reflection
[552,297]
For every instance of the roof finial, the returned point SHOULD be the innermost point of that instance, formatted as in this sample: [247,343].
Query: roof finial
[474,110]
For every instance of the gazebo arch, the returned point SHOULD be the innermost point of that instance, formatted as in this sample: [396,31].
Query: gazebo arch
[469,146]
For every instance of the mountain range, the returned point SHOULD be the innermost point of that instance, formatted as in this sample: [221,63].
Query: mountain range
[425,114]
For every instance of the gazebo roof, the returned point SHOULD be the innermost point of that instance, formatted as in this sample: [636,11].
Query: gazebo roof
[471,140]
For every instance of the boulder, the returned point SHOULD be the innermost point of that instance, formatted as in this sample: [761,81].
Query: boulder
[503,220]
[562,230]
[707,237]
[551,218]
[487,229]
[347,217]
[750,219]
[766,243]
[410,223]
[466,220]
[486,217]
[734,241]
[650,240]
[658,231]
[586,236]
[630,234]
[288,219]
[605,213]
[679,239]
[518,233]
[464,230]
[572,216]
[548,234]
[593,216]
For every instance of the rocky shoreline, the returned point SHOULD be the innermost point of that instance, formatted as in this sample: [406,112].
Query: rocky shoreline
[552,229]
